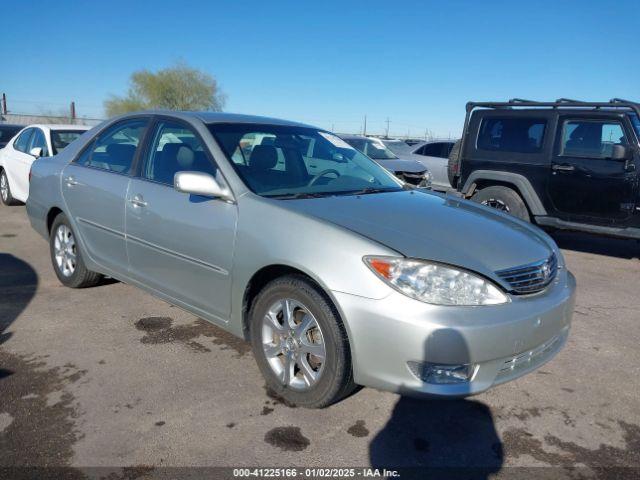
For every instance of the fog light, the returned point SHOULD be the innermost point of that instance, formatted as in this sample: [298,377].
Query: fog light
[442,374]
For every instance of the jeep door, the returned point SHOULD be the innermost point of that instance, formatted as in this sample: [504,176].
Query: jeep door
[586,184]
[180,245]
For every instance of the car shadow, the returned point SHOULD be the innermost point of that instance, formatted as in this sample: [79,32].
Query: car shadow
[18,284]
[439,438]
[597,244]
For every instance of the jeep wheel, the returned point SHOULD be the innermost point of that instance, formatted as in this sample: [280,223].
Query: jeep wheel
[503,199]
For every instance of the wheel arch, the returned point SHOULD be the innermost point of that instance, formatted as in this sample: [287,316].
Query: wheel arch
[485,178]
[271,272]
[51,216]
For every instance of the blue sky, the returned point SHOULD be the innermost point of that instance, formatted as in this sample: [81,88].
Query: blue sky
[326,63]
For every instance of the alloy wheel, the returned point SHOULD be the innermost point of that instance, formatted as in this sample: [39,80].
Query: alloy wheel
[4,187]
[497,204]
[64,247]
[293,344]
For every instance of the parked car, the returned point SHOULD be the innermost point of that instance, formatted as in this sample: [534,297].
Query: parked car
[408,171]
[7,132]
[336,272]
[435,156]
[34,141]
[563,164]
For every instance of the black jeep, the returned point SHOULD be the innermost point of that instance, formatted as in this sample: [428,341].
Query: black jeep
[565,164]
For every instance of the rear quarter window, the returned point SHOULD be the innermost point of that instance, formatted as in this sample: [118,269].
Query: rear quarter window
[519,135]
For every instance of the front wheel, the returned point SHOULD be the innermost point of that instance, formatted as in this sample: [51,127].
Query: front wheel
[66,256]
[300,344]
[504,199]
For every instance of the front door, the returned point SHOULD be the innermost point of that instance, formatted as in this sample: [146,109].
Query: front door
[180,244]
[95,186]
[586,185]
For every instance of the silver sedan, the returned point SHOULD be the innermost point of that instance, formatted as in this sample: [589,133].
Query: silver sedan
[337,273]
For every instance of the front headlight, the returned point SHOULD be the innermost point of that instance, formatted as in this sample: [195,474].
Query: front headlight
[435,283]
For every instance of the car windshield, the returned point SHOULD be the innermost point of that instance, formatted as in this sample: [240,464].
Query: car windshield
[371,148]
[295,162]
[61,138]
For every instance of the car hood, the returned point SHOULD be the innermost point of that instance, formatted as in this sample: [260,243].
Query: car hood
[434,227]
[401,165]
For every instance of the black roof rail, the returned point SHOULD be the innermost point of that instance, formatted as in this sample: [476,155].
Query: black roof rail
[521,100]
[568,100]
[620,100]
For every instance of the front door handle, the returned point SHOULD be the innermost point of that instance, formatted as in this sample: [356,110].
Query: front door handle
[564,168]
[137,201]
[71,181]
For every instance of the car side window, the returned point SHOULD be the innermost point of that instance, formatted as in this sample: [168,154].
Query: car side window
[518,135]
[22,142]
[432,150]
[114,149]
[175,148]
[591,138]
[38,141]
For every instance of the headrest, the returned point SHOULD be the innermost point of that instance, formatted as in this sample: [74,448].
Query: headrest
[263,157]
[180,153]
[120,149]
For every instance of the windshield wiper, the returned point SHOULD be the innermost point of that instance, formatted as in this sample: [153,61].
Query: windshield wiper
[368,190]
[295,196]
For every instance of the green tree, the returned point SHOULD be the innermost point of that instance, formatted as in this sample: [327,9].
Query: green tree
[179,87]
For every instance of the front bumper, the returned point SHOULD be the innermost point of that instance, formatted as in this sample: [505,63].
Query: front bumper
[504,341]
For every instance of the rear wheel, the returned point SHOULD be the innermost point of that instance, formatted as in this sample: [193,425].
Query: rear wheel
[66,256]
[5,190]
[300,344]
[504,199]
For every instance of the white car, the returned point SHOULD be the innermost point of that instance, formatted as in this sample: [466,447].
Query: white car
[435,156]
[31,142]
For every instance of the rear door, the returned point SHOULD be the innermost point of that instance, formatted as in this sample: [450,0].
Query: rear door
[95,186]
[586,184]
[180,244]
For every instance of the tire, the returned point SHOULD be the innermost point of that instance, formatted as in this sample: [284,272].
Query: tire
[453,166]
[334,375]
[5,190]
[504,199]
[63,239]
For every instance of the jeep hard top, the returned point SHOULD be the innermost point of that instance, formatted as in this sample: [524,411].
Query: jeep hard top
[566,164]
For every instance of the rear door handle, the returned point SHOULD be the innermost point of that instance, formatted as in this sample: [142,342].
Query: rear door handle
[137,201]
[564,168]
[71,181]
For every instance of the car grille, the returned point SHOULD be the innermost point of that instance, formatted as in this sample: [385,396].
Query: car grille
[532,358]
[531,278]
[411,177]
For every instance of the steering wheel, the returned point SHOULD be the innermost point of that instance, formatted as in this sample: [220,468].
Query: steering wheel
[322,174]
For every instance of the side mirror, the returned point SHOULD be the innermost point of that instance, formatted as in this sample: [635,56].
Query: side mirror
[36,152]
[620,153]
[338,157]
[199,183]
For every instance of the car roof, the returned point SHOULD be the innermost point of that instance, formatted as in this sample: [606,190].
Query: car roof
[12,125]
[59,126]
[219,117]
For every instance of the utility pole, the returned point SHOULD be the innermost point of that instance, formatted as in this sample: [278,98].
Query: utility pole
[364,130]
[387,134]
[3,110]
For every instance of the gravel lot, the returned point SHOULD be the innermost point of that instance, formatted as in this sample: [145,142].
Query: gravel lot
[111,376]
